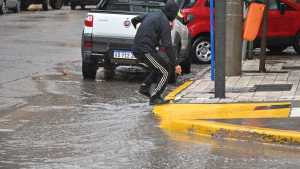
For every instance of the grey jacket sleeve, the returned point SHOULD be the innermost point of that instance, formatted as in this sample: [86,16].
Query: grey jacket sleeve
[137,19]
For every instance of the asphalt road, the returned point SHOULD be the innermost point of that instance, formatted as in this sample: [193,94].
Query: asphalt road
[51,119]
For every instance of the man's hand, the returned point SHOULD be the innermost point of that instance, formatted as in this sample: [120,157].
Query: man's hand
[178,70]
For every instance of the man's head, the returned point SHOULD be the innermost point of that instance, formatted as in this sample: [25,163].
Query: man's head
[171,9]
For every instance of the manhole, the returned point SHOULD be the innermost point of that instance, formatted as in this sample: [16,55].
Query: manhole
[272,87]
[293,67]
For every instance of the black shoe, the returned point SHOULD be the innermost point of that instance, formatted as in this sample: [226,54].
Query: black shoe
[158,101]
[144,90]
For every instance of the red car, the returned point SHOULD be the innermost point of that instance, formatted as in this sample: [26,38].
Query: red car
[283,30]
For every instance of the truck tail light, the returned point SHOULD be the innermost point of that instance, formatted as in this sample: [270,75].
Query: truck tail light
[87,44]
[89,21]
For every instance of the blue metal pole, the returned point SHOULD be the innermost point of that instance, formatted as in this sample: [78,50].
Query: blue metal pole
[212,40]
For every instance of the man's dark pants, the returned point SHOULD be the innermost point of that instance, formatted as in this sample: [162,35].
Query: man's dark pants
[158,67]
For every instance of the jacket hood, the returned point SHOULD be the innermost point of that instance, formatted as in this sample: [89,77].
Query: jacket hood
[171,9]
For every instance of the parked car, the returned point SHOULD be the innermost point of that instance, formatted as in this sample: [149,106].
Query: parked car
[9,5]
[283,30]
[55,4]
[108,37]
[82,3]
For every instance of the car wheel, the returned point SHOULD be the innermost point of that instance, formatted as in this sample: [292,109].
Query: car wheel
[73,6]
[3,8]
[109,73]
[89,70]
[45,5]
[297,43]
[276,49]
[201,50]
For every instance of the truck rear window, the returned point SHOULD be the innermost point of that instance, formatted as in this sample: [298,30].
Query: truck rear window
[134,5]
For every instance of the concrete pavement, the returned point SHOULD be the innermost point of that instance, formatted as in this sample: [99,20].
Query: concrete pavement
[258,106]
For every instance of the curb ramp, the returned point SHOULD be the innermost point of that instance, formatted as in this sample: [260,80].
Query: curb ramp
[198,119]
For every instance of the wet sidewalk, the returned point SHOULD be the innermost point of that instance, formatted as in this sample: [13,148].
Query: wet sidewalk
[279,83]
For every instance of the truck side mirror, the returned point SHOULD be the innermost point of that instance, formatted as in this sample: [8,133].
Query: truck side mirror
[282,8]
[188,19]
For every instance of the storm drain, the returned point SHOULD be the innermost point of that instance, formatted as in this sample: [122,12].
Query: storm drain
[272,87]
[235,90]
[291,67]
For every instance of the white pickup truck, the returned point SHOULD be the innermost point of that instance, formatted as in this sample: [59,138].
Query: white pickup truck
[108,37]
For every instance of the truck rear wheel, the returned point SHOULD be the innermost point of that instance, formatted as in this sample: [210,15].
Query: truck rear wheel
[82,7]
[109,73]
[73,6]
[297,43]
[89,70]
[56,4]
[45,5]
[24,5]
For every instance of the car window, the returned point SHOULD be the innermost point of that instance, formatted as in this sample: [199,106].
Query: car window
[189,3]
[273,4]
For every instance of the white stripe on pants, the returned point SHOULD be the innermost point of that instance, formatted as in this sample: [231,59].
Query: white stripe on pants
[164,72]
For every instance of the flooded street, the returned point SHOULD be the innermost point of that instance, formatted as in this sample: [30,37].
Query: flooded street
[52,119]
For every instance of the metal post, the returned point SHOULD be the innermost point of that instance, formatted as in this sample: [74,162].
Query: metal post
[212,40]
[263,45]
[220,49]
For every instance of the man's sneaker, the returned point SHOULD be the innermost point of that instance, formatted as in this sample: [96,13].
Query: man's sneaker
[144,90]
[158,101]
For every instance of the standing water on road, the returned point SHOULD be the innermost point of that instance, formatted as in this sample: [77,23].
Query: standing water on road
[51,119]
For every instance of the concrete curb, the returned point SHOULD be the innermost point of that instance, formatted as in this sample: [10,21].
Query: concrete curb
[192,119]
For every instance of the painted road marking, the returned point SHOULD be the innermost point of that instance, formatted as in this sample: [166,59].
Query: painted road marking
[7,130]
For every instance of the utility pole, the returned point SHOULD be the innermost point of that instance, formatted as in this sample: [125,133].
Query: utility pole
[234,27]
[220,49]
[263,44]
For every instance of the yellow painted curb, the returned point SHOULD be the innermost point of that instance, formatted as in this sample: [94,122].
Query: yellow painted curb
[223,111]
[172,95]
[231,131]
[192,119]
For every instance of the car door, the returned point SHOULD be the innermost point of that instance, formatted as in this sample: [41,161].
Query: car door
[281,22]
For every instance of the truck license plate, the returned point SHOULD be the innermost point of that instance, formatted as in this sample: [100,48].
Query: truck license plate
[121,54]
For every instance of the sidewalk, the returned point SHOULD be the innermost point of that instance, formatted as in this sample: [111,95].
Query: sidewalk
[263,107]
[280,83]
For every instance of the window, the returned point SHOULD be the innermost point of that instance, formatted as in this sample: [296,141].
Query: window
[134,5]
[273,4]
[189,3]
